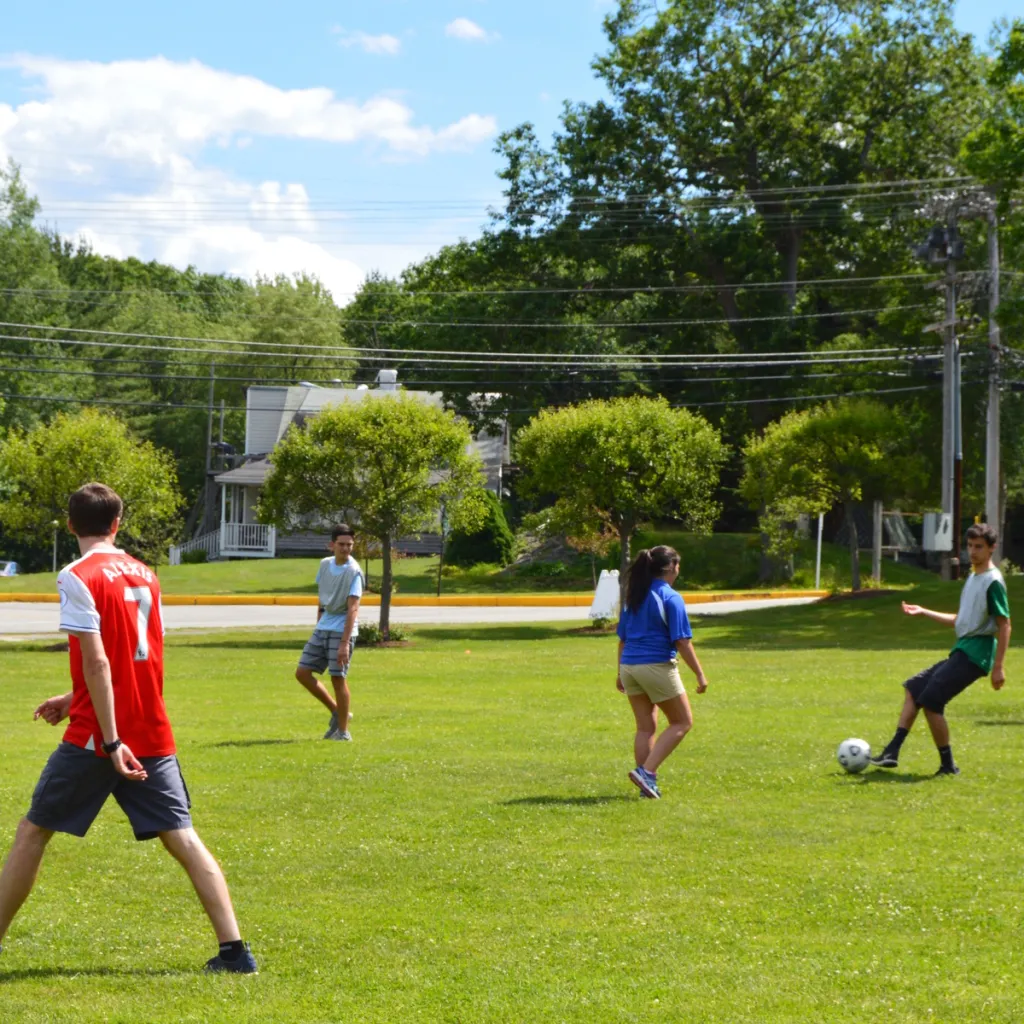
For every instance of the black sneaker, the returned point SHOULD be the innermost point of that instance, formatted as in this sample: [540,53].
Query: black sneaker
[245,964]
[884,760]
[943,770]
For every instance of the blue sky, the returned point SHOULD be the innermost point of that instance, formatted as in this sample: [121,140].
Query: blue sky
[251,137]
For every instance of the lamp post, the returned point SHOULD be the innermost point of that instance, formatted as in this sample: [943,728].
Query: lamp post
[56,526]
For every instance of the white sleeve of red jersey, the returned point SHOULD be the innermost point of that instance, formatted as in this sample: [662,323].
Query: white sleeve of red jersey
[78,612]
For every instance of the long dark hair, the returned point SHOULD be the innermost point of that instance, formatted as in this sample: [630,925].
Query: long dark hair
[646,568]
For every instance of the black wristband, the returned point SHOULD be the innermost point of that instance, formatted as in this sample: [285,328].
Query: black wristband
[109,748]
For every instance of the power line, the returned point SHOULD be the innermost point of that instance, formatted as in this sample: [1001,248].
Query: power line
[584,381]
[586,288]
[276,408]
[625,361]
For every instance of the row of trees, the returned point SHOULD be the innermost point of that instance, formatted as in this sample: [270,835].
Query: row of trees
[394,466]
[753,182]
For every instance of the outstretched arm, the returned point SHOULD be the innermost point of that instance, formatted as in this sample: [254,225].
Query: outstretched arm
[1002,643]
[946,618]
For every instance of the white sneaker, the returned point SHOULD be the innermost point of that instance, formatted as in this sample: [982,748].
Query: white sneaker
[336,735]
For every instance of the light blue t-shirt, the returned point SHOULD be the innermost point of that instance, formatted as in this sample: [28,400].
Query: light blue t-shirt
[650,634]
[335,622]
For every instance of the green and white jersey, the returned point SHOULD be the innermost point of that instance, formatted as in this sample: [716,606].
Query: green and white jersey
[983,598]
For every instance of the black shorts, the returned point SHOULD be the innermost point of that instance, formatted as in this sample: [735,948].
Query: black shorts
[935,687]
[75,785]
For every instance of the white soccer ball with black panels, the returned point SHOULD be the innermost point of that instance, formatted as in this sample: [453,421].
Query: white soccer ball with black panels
[854,755]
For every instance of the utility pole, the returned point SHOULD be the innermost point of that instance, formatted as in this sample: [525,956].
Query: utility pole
[993,488]
[950,405]
[207,497]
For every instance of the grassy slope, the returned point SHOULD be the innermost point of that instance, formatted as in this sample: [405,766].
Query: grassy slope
[721,561]
[478,855]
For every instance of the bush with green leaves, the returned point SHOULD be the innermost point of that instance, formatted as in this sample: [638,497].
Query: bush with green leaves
[494,542]
[371,635]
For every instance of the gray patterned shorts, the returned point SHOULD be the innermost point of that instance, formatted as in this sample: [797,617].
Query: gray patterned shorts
[321,652]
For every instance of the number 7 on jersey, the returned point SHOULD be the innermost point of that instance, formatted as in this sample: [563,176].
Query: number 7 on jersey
[143,597]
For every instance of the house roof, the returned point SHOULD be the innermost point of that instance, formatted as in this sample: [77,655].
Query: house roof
[250,473]
[272,410]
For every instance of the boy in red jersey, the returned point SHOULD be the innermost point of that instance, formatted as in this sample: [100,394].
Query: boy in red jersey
[119,740]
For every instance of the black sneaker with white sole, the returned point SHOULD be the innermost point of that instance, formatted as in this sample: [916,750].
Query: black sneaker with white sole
[885,760]
[952,770]
[245,964]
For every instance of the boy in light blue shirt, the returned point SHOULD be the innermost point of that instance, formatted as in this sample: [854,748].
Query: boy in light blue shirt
[339,583]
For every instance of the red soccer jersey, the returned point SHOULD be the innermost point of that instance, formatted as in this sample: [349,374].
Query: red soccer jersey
[110,593]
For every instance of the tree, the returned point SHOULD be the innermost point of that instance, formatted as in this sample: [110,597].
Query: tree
[631,460]
[994,151]
[832,454]
[389,462]
[40,469]
[492,541]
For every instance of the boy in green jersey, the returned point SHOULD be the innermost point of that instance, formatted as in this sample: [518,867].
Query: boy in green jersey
[983,634]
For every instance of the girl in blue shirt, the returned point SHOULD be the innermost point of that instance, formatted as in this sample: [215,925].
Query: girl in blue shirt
[653,628]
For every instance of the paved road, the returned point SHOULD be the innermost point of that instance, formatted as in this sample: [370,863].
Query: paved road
[40,619]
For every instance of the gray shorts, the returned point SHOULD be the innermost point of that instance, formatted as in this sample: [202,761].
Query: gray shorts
[75,784]
[321,652]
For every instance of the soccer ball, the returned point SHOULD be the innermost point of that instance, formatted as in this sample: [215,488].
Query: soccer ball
[853,755]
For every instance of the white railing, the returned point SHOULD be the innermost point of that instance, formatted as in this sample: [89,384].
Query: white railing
[208,542]
[253,539]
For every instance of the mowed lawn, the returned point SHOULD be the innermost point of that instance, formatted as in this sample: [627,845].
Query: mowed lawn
[477,854]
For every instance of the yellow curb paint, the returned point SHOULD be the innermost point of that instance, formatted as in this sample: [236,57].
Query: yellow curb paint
[424,601]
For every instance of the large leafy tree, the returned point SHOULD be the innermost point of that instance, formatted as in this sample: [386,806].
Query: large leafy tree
[626,461]
[762,99]
[838,453]
[391,463]
[41,467]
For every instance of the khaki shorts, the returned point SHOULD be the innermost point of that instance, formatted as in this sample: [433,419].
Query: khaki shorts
[659,681]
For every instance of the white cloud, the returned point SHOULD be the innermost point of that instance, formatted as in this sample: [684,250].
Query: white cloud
[148,110]
[470,31]
[382,44]
[125,142]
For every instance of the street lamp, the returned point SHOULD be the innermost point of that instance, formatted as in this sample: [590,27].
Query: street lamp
[56,526]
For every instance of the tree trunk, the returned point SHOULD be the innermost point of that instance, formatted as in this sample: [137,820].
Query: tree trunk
[854,548]
[386,579]
[790,253]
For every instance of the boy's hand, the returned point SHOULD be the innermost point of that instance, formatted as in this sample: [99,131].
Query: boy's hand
[53,710]
[912,609]
[702,683]
[618,684]
[998,678]
[344,656]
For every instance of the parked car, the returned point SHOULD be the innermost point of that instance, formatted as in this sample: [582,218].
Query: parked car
[9,569]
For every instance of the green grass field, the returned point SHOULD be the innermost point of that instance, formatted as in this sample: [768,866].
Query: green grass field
[720,561]
[477,854]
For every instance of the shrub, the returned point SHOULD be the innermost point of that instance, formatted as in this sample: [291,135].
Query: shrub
[370,634]
[493,542]
[193,557]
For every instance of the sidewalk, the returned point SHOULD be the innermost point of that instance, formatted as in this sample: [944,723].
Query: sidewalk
[453,601]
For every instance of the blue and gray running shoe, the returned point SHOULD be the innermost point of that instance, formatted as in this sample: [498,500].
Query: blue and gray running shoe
[245,964]
[332,728]
[645,782]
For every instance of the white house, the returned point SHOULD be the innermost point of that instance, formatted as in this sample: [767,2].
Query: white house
[270,413]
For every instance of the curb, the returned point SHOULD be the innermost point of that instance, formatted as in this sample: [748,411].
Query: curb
[424,601]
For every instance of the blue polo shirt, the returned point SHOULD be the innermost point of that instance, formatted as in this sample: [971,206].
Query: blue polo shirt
[650,634]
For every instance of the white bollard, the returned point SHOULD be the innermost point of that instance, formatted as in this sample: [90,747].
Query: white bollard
[606,597]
